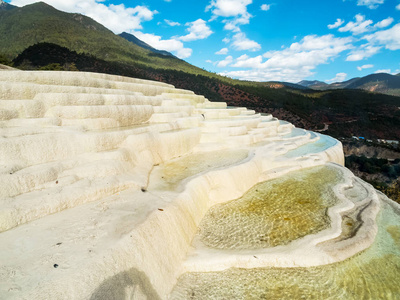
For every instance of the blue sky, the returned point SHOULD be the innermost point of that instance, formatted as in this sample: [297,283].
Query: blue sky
[262,40]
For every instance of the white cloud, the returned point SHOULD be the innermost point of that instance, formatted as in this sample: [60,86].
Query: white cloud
[363,52]
[241,42]
[223,51]
[371,4]
[198,30]
[171,45]
[265,7]
[338,78]
[288,75]
[234,11]
[225,62]
[389,38]
[311,51]
[245,61]
[117,18]
[209,61]
[172,23]
[293,63]
[338,23]
[384,23]
[228,8]
[359,26]
[226,40]
[383,71]
[233,24]
[365,67]
[398,6]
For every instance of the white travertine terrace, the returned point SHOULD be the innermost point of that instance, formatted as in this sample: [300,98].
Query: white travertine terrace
[105,180]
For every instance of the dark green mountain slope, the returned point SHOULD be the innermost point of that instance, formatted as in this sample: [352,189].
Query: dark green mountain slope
[37,23]
[312,84]
[5,6]
[380,83]
[133,39]
[25,26]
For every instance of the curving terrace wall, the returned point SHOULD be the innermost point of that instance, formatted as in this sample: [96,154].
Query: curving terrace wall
[105,180]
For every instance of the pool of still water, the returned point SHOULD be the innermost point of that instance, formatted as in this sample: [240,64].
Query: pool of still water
[371,274]
[274,212]
[177,170]
[324,142]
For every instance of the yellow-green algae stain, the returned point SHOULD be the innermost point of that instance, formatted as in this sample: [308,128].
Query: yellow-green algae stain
[181,168]
[274,212]
[371,274]
[394,232]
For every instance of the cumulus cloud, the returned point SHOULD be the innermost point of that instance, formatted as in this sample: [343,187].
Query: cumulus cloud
[338,78]
[311,51]
[245,61]
[234,11]
[288,75]
[293,63]
[228,8]
[359,26]
[389,38]
[384,23]
[371,4]
[364,67]
[241,42]
[172,23]
[363,52]
[118,18]
[226,40]
[223,63]
[234,24]
[337,24]
[223,51]
[171,45]
[265,7]
[198,30]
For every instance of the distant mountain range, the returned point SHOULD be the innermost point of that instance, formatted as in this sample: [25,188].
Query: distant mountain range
[38,36]
[381,83]
[312,83]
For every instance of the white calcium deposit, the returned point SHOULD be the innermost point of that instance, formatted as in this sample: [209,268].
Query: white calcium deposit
[105,180]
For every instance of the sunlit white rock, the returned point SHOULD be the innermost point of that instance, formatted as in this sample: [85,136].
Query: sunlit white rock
[83,165]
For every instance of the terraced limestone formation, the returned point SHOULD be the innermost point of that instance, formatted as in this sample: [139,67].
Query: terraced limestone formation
[121,188]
